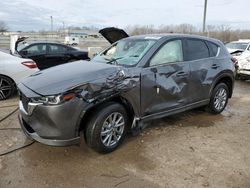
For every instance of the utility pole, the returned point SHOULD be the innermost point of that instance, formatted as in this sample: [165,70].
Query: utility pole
[204,17]
[63,26]
[51,23]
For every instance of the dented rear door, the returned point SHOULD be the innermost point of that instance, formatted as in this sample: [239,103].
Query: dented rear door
[165,82]
[203,67]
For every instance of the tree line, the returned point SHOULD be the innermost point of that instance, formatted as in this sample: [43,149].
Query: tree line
[222,32]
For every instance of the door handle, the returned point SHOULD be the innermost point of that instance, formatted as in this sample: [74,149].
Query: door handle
[215,66]
[182,74]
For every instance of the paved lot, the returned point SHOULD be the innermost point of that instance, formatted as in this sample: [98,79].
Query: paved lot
[192,149]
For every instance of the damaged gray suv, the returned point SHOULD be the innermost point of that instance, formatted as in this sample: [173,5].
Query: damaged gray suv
[135,80]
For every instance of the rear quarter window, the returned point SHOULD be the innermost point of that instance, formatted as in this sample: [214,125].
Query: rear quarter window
[213,49]
[196,49]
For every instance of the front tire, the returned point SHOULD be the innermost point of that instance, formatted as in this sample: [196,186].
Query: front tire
[7,87]
[107,128]
[218,99]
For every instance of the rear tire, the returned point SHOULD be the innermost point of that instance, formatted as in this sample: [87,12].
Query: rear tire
[218,99]
[7,87]
[107,128]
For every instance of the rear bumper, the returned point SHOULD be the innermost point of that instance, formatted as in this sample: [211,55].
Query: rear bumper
[31,134]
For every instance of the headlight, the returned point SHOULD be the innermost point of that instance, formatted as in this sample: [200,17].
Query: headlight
[53,100]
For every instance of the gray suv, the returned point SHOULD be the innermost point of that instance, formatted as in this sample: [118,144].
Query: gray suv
[135,80]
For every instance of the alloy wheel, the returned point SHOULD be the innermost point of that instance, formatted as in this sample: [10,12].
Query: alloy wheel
[220,99]
[5,88]
[112,129]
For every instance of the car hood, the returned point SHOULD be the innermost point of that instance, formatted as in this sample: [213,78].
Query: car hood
[113,34]
[231,51]
[65,77]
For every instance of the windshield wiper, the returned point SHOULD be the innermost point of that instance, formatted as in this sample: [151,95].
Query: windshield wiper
[112,61]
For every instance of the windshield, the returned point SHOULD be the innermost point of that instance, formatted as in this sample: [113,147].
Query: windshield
[237,45]
[127,52]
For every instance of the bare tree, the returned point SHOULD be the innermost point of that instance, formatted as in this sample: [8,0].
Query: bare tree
[222,32]
[3,26]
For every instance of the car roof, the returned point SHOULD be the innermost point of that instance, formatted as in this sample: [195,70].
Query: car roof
[172,35]
[45,42]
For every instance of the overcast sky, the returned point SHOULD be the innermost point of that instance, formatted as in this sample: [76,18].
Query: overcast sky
[35,14]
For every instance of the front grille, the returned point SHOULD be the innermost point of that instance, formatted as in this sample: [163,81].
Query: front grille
[25,101]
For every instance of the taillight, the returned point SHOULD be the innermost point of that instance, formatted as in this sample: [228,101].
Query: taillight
[234,60]
[30,64]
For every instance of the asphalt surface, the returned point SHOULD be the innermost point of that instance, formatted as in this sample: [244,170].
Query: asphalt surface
[191,149]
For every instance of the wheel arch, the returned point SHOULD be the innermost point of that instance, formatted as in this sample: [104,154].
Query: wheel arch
[228,79]
[9,78]
[87,114]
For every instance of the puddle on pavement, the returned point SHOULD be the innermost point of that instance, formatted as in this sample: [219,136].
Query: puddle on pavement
[45,165]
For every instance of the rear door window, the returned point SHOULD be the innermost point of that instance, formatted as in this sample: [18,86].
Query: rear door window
[36,49]
[57,49]
[196,49]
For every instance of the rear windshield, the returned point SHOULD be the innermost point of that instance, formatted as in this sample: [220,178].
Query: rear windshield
[237,45]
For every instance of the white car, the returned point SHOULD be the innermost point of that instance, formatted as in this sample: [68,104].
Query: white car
[237,47]
[243,66]
[12,70]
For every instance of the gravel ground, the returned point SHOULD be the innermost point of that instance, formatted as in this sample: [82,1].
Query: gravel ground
[191,149]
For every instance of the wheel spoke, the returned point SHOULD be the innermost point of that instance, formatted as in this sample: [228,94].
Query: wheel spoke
[110,137]
[118,121]
[106,138]
[220,106]
[5,88]
[114,118]
[2,94]
[1,82]
[216,105]
[115,137]
[104,133]
[118,125]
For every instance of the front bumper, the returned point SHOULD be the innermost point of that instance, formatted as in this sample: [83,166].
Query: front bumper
[56,125]
[52,142]
[244,73]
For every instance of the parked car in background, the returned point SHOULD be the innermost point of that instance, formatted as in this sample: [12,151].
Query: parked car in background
[48,54]
[237,47]
[70,40]
[135,80]
[12,70]
[243,66]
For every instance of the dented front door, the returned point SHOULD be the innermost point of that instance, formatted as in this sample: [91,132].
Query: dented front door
[165,82]
[164,88]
